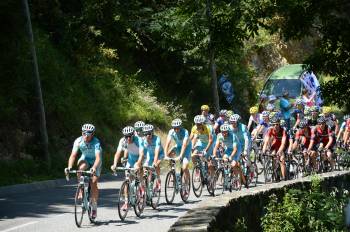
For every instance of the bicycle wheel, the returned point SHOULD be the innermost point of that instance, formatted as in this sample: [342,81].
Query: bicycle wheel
[253,174]
[185,187]
[197,182]
[236,183]
[155,195]
[92,220]
[79,208]
[258,159]
[140,199]
[122,199]
[268,171]
[219,176]
[170,185]
[211,184]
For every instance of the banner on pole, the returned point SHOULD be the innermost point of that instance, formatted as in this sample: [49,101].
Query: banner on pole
[226,88]
[312,85]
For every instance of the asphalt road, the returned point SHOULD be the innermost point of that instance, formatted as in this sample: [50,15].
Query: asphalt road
[53,210]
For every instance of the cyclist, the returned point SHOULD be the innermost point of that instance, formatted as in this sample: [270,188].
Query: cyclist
[220,120]
[182,148]
[91,157]
[225,142]
[133,151]
[263,125]
[254,118]
[344,130]
[205,112]
[298,112]
[313,117]
[202,140]
[276,136]
[321,138]
[138,128]
[302,137]
[331,119]
[154,150]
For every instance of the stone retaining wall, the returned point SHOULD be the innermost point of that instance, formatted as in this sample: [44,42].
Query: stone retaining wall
[221,212]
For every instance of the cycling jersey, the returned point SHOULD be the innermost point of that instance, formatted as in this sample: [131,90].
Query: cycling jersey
[134,149]
[88,151]
[150,148]
[277,137]
[306,133]
[347,125]
[321,136]
[202,137]
[179,137]
[122,145]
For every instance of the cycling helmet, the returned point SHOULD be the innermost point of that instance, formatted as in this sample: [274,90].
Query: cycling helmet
[224,127]
[346,117]
[273,114]
[321,120]
[326,109]
[283,123]
[265,114]
[199,119]
[138,125]
[274,120]
[303,123]
[176,122]
[222,112]
[272,98]
[229,113]
[128,131]
[299,101]
[205,107]
[147,128]
[253,110]
[88,128]
[211,117]
[270,107]
[234,118]
[307,110]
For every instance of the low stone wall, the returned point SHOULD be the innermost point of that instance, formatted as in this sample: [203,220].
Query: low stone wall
[221,212]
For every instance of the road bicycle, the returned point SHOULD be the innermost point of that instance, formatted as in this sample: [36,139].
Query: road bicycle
[175,183]
[82,201]
[152,189]
[201,177]
[131,193]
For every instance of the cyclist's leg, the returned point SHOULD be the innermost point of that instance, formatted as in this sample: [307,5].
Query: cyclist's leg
[283,165]
[185,163]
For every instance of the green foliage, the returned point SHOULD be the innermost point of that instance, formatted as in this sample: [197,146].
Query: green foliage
[312,210]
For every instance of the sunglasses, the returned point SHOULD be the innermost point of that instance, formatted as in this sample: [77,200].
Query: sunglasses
[148,133]
[87,133]
[128,136]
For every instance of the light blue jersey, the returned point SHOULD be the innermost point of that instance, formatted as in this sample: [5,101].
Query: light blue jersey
[88,151]
[150,149]
[179,138]
[134,149]
[229,142]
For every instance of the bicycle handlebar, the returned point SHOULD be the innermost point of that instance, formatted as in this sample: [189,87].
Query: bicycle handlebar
[87,173]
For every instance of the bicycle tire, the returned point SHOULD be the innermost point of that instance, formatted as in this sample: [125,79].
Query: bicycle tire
[185,190]
[91,219]
[268,171]
[219,175]
[122,199]
[155,196]
[170,187]
[197,181]
[140,199]
[79,205]
[211,185]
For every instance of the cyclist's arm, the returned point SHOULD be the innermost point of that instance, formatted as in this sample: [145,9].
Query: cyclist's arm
[141,153]
[283,142]
[157,149]
[250,122]
[234,150]
[246,138]
[210,141]
[330,139]
[97,160]
[312,140]
[167,144]
[266,141]
[217,144]
[194,141]
[184,145]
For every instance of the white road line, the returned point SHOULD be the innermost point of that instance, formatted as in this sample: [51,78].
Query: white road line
[20,226]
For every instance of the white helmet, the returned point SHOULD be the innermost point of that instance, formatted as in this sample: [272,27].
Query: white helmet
[88,128]
[272,97]
[138,125]
[234,118]
[224,127]
[299,101]
[128,131]
[270,107]
[265,113]
[199,119]
[147,128]
[176,122]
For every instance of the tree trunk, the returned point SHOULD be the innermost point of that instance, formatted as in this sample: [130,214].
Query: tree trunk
[44,142]
[212,66]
